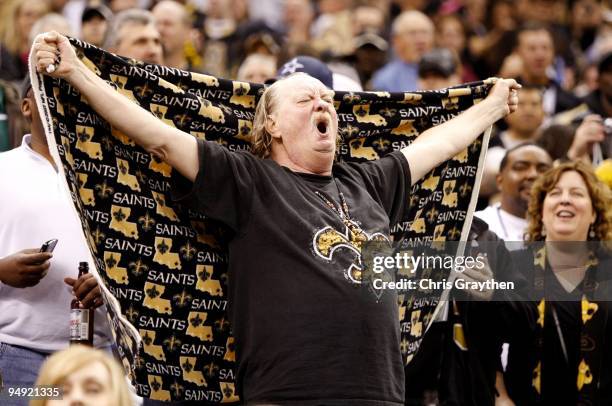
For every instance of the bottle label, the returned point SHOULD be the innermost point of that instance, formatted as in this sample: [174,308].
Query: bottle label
[79,324]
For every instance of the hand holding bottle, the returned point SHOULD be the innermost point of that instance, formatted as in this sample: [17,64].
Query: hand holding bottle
[82,306]
[86,290]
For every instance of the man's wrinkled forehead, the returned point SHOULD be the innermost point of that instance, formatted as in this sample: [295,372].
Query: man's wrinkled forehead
[302,83]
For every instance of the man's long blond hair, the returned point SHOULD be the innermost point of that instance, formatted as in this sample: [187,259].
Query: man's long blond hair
[261,144]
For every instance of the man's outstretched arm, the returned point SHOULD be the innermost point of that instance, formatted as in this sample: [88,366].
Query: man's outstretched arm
[173,146]
[441,143]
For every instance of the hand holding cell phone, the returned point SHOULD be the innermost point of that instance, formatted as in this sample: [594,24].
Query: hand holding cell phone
[49,246]
[27,267]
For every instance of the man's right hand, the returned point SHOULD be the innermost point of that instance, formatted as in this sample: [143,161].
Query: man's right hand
[54,49]
[177,148]
[24,268]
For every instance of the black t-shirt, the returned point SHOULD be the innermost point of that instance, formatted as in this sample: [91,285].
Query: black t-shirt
[304,330]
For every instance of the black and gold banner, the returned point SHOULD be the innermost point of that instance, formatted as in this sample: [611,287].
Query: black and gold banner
[164,268]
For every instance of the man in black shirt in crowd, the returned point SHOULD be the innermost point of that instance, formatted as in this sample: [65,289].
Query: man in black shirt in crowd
[304,331]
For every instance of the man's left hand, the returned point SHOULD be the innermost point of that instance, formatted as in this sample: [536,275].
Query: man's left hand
[504,94]
[87,290]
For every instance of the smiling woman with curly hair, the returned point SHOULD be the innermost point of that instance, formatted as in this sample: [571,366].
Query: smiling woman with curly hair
[569,226]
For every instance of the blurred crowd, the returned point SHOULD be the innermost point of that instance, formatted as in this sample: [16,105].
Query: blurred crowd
[559,50]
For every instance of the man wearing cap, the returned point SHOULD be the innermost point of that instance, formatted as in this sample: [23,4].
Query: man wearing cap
[309,65]
[438,69]
[94,24]
[36,288]
[304,330]
[319,70]
[369,55]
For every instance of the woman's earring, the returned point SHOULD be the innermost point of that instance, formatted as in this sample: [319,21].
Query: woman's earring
[591,232]
[543,232]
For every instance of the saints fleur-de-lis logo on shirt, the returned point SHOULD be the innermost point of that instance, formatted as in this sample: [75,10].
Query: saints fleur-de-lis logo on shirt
[329,243]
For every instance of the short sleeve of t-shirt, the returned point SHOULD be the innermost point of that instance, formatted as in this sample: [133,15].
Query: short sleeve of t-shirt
[388,181]
[223,187]
[225,184]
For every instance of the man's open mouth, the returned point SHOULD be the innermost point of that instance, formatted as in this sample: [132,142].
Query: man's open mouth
[322,124]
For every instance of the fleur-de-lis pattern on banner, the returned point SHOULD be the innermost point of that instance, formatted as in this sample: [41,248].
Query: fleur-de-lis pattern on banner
[165,268]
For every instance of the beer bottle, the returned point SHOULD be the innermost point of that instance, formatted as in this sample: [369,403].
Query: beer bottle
[81,320]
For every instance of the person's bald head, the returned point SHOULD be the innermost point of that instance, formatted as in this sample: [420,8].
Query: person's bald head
[173,23]
[413,35]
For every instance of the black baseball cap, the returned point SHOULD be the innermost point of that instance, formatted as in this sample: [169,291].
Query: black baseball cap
[439,61]
[370,39]
[98,10]
[309,65]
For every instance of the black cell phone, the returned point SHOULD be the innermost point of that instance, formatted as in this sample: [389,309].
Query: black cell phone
[49,246]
